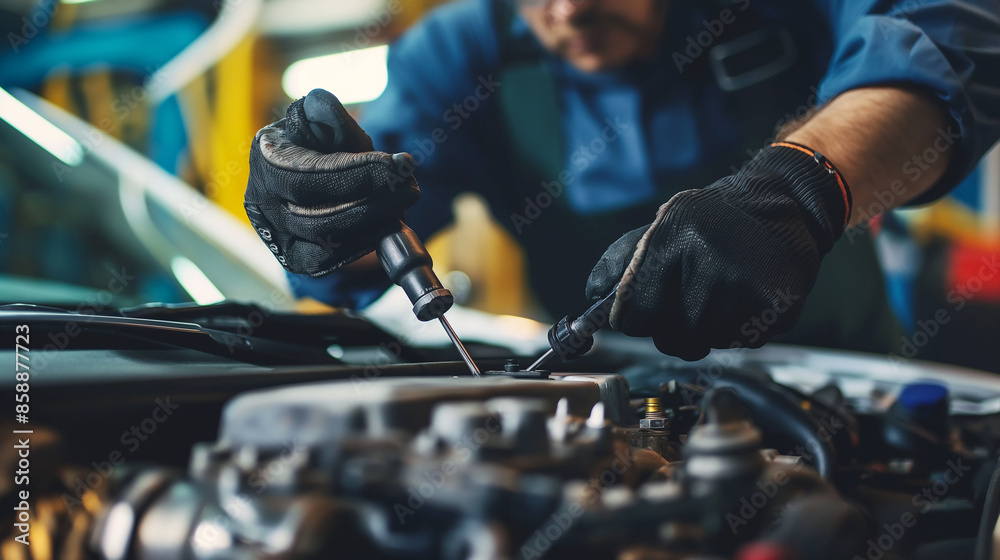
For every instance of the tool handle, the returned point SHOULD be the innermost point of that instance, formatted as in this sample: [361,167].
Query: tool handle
[598,315]
[405,259]
[573,337]
[320,122]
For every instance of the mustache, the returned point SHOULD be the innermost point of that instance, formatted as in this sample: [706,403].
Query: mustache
[593,19]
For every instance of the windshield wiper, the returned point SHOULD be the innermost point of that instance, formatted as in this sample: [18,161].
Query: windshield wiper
[101,330]
[339,328]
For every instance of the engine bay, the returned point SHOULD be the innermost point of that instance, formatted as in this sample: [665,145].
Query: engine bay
[750,457]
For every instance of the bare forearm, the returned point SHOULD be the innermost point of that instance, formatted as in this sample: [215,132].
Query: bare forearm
[891,144]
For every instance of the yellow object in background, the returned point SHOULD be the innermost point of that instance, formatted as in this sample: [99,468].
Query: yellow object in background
[413,10]
[952,220]
[56,90]
[232,130]
[103,98]
[222,111]
[479,247]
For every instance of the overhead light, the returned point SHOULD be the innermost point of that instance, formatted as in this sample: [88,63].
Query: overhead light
[75,1]
[309,17]
[40,131]
[354,76]
[194,281]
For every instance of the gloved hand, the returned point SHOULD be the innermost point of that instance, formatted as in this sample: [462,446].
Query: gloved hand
[319,196]
[728,265]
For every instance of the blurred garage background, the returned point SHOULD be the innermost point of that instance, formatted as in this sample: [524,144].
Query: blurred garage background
[186,83]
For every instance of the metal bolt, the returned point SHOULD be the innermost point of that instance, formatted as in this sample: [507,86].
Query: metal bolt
[656,418]
[654,408]
[511,366]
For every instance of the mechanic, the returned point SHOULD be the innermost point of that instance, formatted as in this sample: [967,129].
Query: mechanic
[578,120]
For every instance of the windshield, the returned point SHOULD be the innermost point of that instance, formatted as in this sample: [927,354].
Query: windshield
[66,238]
[92,223]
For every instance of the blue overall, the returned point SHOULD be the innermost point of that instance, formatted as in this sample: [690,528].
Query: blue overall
[569,161]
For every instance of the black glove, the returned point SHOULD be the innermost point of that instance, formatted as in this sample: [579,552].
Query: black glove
[319,196]
[729,265]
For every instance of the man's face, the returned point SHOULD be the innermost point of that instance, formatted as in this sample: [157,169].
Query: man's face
[596,35]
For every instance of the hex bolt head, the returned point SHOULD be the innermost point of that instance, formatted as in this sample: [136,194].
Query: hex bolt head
[653,423]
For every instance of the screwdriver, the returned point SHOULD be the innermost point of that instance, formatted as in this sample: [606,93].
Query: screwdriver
[401,253]
[573,337]
[405,259]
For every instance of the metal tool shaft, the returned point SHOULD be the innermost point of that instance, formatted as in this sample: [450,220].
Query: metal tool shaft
[409,266]
[541,361]
[572,337]
[461,347]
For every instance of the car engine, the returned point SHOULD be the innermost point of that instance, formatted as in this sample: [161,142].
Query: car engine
[664,460]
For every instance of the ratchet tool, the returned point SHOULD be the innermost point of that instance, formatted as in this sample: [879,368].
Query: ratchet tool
[573,337]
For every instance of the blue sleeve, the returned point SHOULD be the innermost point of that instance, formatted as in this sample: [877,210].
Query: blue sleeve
[434,107]
[949,48]
[441,80]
